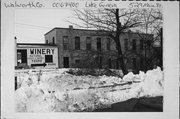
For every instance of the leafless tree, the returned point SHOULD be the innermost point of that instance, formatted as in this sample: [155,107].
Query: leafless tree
[114,22]
[152,21]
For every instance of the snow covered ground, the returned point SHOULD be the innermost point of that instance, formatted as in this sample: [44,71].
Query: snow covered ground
[54,90]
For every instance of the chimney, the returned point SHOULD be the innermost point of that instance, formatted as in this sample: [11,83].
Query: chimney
[70,27]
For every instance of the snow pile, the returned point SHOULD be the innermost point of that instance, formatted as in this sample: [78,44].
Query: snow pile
[132,77]
[151,85]
[54,90]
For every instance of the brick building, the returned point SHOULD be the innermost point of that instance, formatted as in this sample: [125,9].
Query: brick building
[83,47]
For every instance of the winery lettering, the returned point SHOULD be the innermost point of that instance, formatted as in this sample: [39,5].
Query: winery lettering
[41,51]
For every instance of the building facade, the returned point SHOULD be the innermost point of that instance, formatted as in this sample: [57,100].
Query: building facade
[92,48]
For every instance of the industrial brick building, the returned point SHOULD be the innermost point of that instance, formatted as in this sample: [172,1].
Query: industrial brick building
[84,48]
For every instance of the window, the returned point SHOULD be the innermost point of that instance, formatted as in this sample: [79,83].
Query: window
[141,44]
[134,44]
[117,64]
[100,61]
[48,58]
[134,63]
[109,63]
[22,56]
[77,43]
[65,43]
[53,41]
[108,44]
[19,59]
[142,62]
[66,62]
[126,44]
[148,44]
[99,44]
[88,43]
[77,61]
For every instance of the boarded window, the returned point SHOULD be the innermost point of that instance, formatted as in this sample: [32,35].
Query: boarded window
[88,43]
[77,43]
[134,44]
[99,44]
[65,43]
[126,44]
[48,58]
[108,44]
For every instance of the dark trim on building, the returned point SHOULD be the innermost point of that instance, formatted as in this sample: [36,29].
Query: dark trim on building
[36,44]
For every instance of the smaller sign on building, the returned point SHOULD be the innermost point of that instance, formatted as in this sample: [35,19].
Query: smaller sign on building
[37,55]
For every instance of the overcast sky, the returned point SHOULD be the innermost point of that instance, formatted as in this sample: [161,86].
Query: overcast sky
[32,24]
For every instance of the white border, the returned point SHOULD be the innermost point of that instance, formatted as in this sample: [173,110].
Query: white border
[171,71]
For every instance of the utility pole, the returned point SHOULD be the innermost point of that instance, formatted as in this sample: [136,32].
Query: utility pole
[15,46]
[161,46]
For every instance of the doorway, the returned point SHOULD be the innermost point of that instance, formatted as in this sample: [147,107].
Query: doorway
[66,62]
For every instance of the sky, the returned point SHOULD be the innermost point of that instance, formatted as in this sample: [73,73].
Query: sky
[32,24]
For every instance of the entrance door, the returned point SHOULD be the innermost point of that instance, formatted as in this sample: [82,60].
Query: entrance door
[66,62]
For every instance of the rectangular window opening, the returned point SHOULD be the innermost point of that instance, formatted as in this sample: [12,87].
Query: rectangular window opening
[99,44]
[108,44]
[88,43]
[141,44]
[48,58]
[148,44]
[109,63]
[77,61]
[134,44]
[100,62]
[66,62]
[65,43]
[22,56]
[142,62]
[134,63]
[77,43]
[126,44]
[117,64]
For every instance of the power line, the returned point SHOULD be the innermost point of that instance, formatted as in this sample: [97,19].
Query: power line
[33,25]
[28,37]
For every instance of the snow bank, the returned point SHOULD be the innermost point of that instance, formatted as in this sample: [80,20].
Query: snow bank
[151,85]
[54,90]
